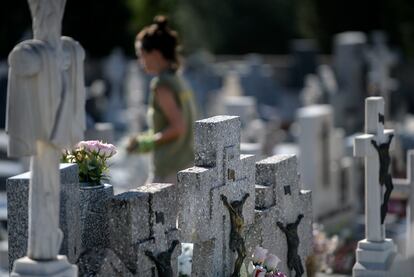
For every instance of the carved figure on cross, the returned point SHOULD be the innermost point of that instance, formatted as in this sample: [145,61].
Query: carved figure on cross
[385,178]
[163,260]
[374,146]
[291,231]
[236,234]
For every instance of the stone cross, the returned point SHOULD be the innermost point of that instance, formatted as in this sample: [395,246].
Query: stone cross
[375,254]
[144,221]
[45,113]
[220,178]
[406,187]
[280,199]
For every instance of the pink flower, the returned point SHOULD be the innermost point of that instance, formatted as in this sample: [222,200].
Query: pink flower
[91,157]
[107,149]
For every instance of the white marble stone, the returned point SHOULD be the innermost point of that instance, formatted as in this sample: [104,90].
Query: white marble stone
[45,113]
[375,254]
[60,267]
[321,164]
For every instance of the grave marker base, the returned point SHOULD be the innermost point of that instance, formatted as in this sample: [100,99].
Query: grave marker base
[374,258]
[26,267]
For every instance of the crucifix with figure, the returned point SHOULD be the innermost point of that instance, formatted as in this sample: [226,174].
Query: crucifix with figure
[375,253]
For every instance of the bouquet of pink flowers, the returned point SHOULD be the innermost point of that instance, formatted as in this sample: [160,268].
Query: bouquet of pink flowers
[91,157]
[265,264]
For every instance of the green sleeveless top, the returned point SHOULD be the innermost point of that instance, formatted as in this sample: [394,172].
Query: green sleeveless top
[171,157]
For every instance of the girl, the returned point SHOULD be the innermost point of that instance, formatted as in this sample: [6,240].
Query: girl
[171,109]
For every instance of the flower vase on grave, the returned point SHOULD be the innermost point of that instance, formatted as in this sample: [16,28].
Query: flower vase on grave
[94,195]
[94,200]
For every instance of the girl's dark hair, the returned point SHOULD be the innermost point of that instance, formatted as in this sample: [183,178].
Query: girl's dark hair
[159,36]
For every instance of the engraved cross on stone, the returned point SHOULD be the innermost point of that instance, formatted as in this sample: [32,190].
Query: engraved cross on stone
[364,147]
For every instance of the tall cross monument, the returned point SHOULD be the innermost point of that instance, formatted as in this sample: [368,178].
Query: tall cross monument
[45,113]
[375,254]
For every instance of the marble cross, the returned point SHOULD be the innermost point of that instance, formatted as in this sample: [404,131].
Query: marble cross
[45,113]
[365,146]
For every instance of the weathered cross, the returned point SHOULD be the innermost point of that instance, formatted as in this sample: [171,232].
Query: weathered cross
[218,198]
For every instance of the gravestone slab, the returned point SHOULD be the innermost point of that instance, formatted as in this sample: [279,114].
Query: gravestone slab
[144,220]
[17,205]
[282,201]
[220,171]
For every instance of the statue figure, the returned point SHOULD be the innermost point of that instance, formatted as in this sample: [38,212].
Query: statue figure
[45,113]
[235,209]
[163,260]
[384,174]
[293,259]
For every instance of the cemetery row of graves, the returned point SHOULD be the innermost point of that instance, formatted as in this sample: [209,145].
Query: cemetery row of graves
[225,206]
[302,144]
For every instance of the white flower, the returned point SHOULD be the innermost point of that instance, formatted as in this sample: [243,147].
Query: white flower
[271,262]
[259,255]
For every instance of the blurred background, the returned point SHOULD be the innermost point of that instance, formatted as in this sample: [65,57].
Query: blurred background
[296,72]
[230,27]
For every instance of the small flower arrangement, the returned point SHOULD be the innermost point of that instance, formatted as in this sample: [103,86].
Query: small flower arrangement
[265,264]
[91,157]
[324,249]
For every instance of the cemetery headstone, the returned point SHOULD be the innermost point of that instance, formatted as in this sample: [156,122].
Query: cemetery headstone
[349,67]
[143,229]
[283,214]
[46,97]
[375,254]
[220,176]
[69,215]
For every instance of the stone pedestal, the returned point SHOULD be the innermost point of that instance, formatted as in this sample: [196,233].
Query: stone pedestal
[69,214]
[26,267]
[94,202]
[374,259]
